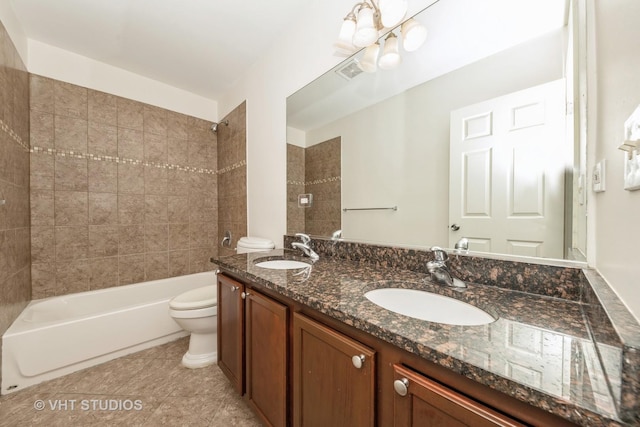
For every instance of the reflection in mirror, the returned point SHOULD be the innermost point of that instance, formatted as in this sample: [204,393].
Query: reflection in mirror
[472,136]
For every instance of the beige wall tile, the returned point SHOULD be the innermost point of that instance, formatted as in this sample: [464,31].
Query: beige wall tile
[155,148]
[130,143]
[130,269]
[103,273]
[179,237]
[71,174]
[71,243]
[177,209]
[156,265]
[155,209]
[155,181]
[103,209]
[102,108]
[41,93]
[156,237]
[131,239]
[130,209]
[103,176]
[155,120]
[43,280]
[72,276]
[177,125]
[103,241]
[42,171]
[42,207]
[178,263]
[71,208]
[42,129]
[130,114]
[102,139]
[130,178]
[70,134]
[70,100]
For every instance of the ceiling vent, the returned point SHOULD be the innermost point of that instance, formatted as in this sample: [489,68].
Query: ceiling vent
[350,70]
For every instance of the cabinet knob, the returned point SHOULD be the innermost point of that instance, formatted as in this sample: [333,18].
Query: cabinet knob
[234,288]
[244,295]
[358,360]
[401,386]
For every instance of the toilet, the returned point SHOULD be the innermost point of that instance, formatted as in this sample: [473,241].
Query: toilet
[195,311]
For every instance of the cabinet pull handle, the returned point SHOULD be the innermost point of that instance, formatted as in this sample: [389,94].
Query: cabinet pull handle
[401,386]
[244,295]
[358,360]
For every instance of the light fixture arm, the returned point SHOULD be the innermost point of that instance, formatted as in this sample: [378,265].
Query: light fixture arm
[371,4]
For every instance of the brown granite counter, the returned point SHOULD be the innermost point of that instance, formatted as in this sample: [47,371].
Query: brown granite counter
[540,349]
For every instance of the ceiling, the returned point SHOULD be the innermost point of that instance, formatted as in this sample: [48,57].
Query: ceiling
[201,46]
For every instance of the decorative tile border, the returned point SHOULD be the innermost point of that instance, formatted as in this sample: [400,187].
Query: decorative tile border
[315,181]
[115,159]
[5,128]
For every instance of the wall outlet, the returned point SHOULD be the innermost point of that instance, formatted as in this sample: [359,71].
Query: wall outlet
[598,176]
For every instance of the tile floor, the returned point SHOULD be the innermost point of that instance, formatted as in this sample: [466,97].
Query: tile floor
[148,388]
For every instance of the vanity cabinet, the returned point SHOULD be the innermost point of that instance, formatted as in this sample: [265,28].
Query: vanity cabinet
[252,348]
[422,402]
[333,377]
[338,375]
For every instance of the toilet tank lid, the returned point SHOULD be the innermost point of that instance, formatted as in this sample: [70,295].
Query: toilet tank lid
[255,243]
[205,296]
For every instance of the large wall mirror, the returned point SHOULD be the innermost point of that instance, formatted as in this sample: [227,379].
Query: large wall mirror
[478,134]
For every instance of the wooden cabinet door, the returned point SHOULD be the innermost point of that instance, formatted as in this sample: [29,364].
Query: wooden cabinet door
[328,388]
[427,403]
[230,330]
[266,357]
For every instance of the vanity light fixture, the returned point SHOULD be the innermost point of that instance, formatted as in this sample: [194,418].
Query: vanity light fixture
[364,24]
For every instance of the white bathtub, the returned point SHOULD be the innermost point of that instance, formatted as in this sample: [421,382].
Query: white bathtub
[56,336]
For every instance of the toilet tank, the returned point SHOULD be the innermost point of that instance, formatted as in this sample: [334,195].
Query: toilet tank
[254,244]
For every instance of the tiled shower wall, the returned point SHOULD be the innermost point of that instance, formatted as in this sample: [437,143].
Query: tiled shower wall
[15,259]
[121,191]
[315,170]
[232,179]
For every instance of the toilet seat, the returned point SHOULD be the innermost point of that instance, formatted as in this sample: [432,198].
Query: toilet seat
[203,297]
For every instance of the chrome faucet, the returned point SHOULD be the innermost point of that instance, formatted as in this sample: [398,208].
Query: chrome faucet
[439,270]
[304,246]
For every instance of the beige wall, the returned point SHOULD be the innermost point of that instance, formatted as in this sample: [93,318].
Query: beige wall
[121,191]
[15,259]
[617,84]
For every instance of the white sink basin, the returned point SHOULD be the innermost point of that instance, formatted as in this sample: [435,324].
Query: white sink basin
[428,306]
[282,264]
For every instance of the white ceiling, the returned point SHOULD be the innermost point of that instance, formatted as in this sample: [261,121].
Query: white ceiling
[201,46]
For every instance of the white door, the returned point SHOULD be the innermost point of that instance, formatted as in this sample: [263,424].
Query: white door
[507,170]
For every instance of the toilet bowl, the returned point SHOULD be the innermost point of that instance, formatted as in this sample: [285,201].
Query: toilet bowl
[195,311]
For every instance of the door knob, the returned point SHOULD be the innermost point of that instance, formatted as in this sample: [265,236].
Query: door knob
[455,227]
[244,295]
[358,360]
[401,386]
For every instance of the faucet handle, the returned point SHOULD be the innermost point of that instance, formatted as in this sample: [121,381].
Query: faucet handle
[439,254]
[304,237]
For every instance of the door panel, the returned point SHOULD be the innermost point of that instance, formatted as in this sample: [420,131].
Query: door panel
[507,167]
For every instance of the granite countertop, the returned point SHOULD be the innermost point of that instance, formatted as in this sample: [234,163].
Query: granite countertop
[539,350]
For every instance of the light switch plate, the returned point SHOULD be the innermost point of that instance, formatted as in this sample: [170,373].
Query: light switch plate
[305,200]
[599,171]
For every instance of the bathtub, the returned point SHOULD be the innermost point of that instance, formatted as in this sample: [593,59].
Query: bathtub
[59,335]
